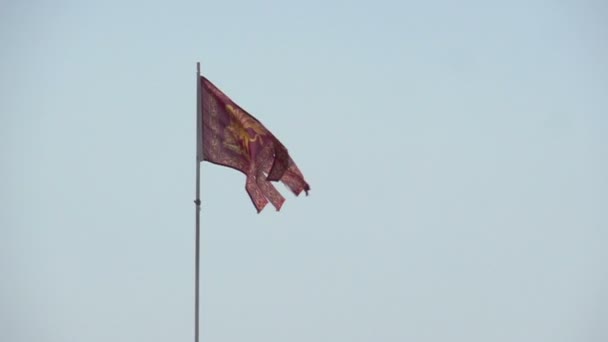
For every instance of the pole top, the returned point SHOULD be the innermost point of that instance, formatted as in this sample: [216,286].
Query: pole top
[198,67]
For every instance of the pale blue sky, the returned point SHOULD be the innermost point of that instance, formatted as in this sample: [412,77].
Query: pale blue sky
[456,153]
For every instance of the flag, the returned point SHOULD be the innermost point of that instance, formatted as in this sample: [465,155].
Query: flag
[234,138]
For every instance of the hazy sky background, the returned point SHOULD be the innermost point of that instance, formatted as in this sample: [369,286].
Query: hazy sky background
[456,150]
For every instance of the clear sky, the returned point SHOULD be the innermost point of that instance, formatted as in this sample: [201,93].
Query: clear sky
[456,150]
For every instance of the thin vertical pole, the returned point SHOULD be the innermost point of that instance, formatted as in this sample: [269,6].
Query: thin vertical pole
[197,201]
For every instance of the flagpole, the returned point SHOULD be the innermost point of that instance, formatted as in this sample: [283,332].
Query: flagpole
[197,201]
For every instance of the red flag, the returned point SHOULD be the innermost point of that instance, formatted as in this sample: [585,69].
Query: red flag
[234,138]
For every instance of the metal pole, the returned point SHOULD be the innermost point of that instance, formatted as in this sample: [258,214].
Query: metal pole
[197,201]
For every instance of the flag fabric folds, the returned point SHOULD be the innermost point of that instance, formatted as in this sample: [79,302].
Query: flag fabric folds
[234,138]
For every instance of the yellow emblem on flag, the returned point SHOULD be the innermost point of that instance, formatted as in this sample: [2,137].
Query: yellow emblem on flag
[243,128]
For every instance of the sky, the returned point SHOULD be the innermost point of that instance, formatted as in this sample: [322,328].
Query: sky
[456,153]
